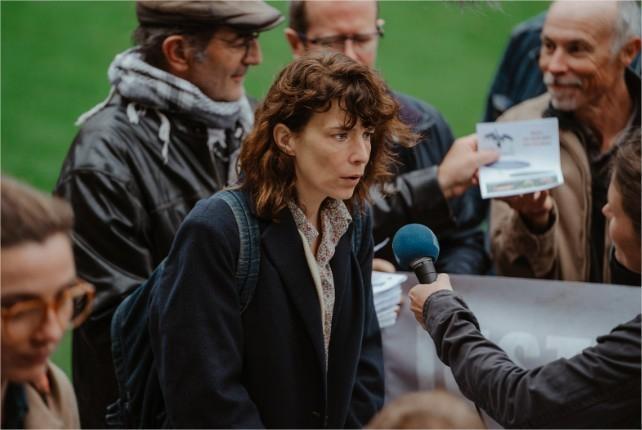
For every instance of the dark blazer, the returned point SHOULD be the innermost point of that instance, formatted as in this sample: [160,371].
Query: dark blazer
[266,367]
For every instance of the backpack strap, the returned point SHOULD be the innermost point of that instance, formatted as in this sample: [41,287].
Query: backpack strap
[248,265]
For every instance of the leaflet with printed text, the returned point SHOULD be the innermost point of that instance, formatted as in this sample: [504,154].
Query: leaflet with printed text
[529,157]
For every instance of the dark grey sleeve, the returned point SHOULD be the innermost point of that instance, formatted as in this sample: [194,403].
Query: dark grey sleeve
[415,196]
[599,387]
[412,197]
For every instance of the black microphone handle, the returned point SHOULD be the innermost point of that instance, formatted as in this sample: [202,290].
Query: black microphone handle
[424,268]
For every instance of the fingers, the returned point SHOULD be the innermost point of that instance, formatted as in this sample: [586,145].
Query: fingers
[443,277]
[541,198]
[381,265]
[538,202]
[420,293]
[521,202]
[487,156]
[416,304]
[469,142]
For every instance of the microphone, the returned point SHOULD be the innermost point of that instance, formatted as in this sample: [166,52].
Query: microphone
[416,248]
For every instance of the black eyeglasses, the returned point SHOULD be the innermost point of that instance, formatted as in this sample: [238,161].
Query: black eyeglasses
[242,42]
[364,42]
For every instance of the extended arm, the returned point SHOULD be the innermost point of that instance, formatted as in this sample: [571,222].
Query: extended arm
[600,387]
[415,195]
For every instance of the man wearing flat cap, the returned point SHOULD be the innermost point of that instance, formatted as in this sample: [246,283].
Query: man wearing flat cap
[165,137]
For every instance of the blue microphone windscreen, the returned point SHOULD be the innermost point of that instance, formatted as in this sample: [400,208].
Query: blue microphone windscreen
[413,241]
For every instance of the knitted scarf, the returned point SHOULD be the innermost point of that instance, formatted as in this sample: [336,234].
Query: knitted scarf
[163,92]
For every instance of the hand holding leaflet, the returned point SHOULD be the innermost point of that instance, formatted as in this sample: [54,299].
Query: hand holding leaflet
[529,160]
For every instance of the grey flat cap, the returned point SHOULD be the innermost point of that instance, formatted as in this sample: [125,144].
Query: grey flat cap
[247,15]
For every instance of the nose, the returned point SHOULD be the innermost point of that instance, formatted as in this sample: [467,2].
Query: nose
[253,56]
[348,49]
[361,152]
[606,210]
[555,62]
[51,330]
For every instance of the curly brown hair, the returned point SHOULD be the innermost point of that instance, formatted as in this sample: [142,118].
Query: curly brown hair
[309,85]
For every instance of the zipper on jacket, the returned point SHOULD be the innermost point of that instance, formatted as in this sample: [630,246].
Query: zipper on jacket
[217,172]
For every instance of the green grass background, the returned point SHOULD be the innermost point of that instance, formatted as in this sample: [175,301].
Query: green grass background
[55,54]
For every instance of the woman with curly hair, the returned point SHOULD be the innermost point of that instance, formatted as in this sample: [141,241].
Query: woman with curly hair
[305,350]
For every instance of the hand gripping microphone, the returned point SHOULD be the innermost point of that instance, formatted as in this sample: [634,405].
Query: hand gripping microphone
[415,247]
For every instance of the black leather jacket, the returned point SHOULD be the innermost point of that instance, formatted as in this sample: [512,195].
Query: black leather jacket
[128,205]
[597,388]
[416,197]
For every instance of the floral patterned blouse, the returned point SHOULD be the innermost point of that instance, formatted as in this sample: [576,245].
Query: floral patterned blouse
[335,219]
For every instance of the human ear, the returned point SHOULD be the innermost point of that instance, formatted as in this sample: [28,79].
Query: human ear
[295,42]
[284,138]
[629,51]
[177,54]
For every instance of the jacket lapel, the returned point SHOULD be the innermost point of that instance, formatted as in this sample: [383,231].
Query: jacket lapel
[340,265]
[283,248]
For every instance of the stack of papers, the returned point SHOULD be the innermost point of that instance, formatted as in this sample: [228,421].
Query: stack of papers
[386,289]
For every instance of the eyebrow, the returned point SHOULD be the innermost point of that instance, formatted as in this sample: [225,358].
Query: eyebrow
[244,35]
[343,128]
[20,297]
[339,127]
[565,41]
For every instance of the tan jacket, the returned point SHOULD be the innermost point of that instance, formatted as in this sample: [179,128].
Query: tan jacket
[563,251]
[58,410]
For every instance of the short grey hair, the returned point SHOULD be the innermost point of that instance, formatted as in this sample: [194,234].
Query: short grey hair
[627,23]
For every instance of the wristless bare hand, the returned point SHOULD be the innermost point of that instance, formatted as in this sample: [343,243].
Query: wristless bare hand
[458,170]
[420,293]
[535,208]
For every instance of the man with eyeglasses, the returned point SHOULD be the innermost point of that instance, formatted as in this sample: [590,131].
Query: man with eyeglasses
[41,297]
[165,137]
[433,182]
